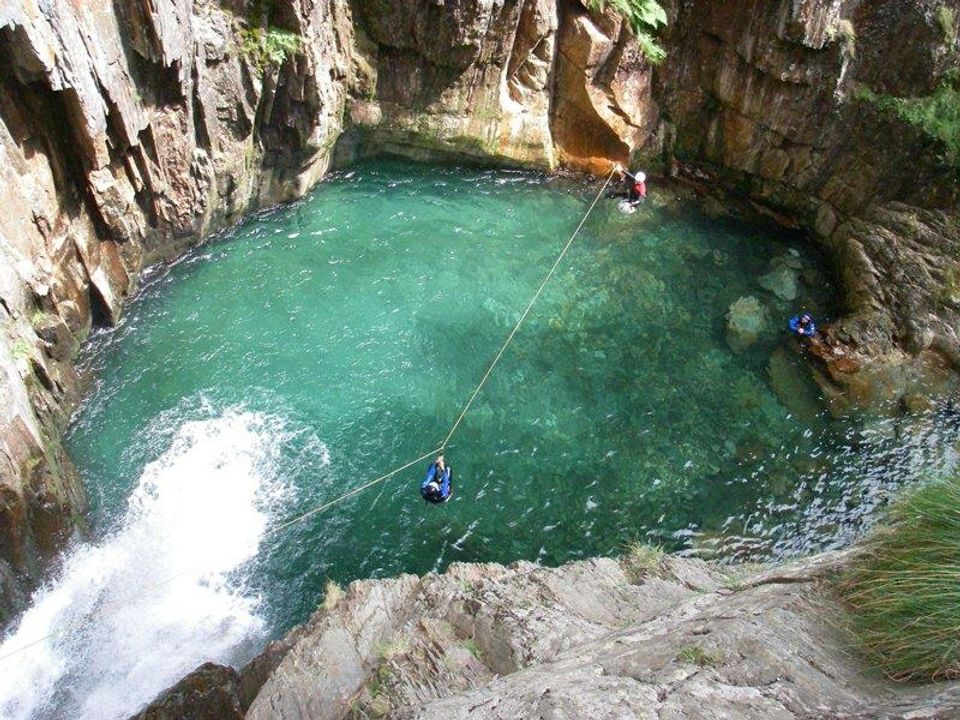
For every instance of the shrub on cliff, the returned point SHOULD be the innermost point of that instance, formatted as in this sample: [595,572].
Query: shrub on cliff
[644,17]
[270,46]
[938,115]
[903,592]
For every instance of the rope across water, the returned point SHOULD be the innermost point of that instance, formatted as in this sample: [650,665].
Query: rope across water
[476,392]
[386,476]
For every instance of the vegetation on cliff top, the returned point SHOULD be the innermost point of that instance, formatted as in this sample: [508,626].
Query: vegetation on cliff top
[938,115]
[644,17]
[903,592]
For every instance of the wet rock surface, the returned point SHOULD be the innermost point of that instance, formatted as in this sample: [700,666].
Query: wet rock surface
[131,130]
[211,692]
[679,638]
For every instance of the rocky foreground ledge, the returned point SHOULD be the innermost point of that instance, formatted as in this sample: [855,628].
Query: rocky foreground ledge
[666,638]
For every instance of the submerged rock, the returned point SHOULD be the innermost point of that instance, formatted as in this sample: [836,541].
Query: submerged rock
[746,321]
[782,282]
[791,383]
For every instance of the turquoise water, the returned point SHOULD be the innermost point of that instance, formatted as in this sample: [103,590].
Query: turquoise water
[349,329]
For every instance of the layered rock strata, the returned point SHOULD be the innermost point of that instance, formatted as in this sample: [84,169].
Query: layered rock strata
[669,639]
[131,129]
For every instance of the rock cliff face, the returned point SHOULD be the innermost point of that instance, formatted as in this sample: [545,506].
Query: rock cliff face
[132,128]
[761,99]
[594,639]
[129,130]
[531,82]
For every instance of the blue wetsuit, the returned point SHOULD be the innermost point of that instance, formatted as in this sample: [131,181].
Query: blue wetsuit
[808,330]
[429,492]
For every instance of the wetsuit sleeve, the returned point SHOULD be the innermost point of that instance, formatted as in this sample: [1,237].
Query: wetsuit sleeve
[431,474]
[446,486]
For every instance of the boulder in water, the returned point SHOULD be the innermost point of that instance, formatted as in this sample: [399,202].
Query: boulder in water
[791,382]
[746,320]
[782,282]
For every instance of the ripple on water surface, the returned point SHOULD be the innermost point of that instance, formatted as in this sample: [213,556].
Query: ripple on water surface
[337,338]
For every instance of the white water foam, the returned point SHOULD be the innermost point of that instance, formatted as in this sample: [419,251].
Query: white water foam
[133,613]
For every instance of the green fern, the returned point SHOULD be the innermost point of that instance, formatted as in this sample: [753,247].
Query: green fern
[645,17]
[269,47]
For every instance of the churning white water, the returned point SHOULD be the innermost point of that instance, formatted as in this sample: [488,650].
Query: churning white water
[162,594]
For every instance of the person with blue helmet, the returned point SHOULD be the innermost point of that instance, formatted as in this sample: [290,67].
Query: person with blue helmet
[437,486]
[802,325]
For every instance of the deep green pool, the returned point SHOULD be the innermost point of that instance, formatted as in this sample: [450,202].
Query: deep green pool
[315,347]
[358,321]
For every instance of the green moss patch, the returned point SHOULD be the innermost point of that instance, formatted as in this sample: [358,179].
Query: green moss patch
[938,115]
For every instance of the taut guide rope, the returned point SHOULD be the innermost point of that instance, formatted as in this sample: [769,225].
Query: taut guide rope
[439,449]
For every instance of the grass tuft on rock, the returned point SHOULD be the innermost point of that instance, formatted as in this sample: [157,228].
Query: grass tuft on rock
[645,18]
[471,645]
[903,592]
[641,560]
[697,655]
[332,593]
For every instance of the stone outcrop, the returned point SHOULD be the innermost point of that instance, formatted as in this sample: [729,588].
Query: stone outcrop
[603,107]
[762,100]
[670,638]
[901,270]
[133,128]
[129,130]
[211,692]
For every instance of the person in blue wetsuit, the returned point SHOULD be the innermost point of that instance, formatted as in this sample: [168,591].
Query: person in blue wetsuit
[437,486]
[803,326]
